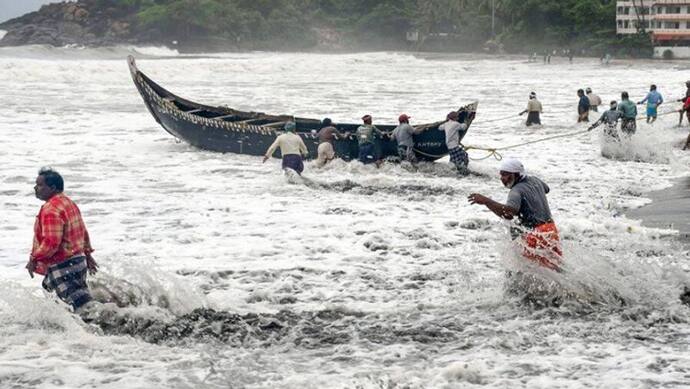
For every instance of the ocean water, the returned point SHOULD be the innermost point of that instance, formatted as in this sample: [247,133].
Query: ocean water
[225,273]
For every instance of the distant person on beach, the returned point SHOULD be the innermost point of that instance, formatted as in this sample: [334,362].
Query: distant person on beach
[61,247]
[533,110]
[653,100]
[367,137]
[610,119]
[453,129]
[683,100]
[527,201]
[570,56]
[605,59]
[292,148]
[594,100]
[628,110]
[686,110]
[327,136]
[582,107]
[403,135]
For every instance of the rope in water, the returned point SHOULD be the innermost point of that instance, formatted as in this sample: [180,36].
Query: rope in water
[494,151]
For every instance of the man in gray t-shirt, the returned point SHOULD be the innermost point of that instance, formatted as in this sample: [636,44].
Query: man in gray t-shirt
[454,132]
[527,200]
[528,196]
[403,135]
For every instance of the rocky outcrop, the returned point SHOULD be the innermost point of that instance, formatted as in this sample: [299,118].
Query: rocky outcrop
[97,23]
[82,23]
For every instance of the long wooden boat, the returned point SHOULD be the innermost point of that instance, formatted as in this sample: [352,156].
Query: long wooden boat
[225,129]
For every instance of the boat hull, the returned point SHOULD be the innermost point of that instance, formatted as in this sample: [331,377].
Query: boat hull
[223,129]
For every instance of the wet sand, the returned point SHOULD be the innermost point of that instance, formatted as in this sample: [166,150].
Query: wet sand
[670,208]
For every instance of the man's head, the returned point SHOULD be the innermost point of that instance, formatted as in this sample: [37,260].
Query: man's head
[403,118]
[326,122]
[625,96]
[290,126]
[511,171]
[614,104]
[533,95]
[580,92]
[452,115]
[48,183]
[588,90]
[652,87]
[687,83]
[366,119]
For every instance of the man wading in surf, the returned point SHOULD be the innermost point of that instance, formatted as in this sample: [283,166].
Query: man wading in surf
[62,248]
[292,148]
[527,200]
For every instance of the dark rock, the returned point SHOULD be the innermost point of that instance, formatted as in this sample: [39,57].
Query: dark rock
[81,23]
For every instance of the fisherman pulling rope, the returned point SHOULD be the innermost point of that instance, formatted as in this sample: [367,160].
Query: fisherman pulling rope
[494,151]
[527,202]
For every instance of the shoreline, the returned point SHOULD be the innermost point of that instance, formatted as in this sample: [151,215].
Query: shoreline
[670,208]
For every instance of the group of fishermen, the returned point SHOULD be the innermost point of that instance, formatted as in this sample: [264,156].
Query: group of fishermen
[62,248]
[624,111]
[293,148]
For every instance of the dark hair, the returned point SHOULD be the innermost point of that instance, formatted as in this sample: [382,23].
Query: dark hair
[326,122]
[52,178]
[653,87]
[624,95]
[580,91]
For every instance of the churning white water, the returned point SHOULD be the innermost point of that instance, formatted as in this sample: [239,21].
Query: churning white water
[228,275]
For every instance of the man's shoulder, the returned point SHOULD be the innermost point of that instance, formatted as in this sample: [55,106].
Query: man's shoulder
[451,124]
[527,181]
[57,204]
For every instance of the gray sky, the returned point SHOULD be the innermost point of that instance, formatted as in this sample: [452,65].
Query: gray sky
[12,8]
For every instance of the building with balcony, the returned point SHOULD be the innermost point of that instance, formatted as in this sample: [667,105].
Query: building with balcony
[630,14]
[667,21]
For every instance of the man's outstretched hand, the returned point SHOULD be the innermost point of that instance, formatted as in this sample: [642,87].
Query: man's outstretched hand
[476,198]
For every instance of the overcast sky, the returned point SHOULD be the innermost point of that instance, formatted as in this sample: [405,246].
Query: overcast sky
[12,8]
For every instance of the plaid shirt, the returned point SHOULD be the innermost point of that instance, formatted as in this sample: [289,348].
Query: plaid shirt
[59,233]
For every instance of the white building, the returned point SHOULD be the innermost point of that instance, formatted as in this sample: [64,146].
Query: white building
[668,21]
[627,17]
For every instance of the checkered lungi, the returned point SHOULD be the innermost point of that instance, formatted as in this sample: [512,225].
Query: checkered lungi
[406,154]
[459,157]
[68,280]
[628,125]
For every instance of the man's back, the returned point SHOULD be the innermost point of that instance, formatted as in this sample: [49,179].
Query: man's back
[403,135]
[366,133]
[528,196]
[610,116]
[452,130]
[327,134]
[594,100]
[534,105]
[654,98]
[628,109]
[289,143]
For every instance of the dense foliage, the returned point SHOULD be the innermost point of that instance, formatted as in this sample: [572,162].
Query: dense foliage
[516,25]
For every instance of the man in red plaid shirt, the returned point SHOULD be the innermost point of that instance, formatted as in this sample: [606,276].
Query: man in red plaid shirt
[61,248]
